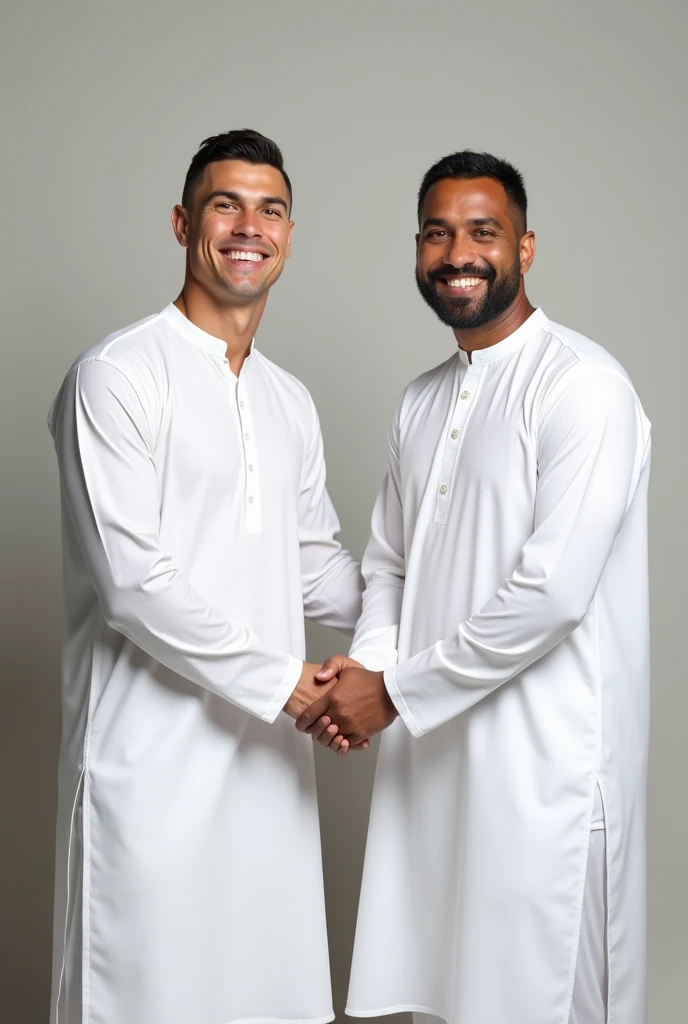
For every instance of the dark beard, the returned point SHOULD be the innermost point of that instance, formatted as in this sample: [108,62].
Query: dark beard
[463,313]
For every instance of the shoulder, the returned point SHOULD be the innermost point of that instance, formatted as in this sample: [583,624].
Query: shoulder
[566,357]
[127,363]
[584,373]
[574,349]
[130,349]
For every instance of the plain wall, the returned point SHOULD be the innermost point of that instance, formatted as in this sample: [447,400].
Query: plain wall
[104,105]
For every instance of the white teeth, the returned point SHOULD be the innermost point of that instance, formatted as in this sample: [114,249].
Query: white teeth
[239,254]
[464,282]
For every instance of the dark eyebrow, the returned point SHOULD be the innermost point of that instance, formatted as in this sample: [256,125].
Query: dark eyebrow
[479,222]
[272,200]
[435,222]
[235,197]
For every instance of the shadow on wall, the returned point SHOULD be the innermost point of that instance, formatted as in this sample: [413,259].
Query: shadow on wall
[29,740]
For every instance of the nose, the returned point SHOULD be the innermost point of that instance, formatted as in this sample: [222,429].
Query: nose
[247,224]
[461,251]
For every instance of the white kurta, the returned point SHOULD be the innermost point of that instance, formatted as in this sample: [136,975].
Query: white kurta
[197,531]
[508,565]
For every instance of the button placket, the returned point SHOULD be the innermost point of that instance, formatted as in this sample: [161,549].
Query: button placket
[251,477]
[456,429]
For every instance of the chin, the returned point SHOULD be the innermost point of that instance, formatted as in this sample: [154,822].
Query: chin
[246,290]
[462,309]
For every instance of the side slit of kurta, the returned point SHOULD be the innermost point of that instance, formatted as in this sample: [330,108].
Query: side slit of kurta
[86,837]
[589,818]
[69,901]
[580,896]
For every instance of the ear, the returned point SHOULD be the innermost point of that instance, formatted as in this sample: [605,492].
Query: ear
[417,242]
[180,225]
[526,251]
[287,251]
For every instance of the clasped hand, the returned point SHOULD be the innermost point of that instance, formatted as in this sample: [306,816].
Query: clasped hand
[350,705]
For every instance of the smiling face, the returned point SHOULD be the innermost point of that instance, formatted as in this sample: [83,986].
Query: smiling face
[237,230]
[471,251]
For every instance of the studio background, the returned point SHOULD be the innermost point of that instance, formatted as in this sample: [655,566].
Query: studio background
[104,105]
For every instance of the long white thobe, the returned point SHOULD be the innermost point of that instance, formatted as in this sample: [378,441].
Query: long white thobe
[508,568]
[197,531]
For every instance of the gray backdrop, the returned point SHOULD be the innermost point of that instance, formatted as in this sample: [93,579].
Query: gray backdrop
[105,104]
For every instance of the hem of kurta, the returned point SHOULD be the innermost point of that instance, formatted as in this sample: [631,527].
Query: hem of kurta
[418,1008]
[399,1008]
[284,691]
[400,704]
[283,1020]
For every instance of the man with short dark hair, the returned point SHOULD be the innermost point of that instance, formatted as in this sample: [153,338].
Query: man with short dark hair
[505,635]
[197,530]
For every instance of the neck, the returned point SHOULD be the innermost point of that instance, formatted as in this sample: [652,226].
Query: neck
[497,330]
[236,325]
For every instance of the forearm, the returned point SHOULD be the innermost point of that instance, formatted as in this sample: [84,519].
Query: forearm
[168,620]
[332,597]
[377,631]
[521,624]
[384,571]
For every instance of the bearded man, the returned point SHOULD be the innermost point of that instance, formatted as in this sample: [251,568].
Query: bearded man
[505,638]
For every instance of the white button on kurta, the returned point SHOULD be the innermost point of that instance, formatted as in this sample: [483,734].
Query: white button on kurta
[197,530]
[508,568]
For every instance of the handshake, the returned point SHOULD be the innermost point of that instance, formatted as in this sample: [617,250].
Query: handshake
[341,704]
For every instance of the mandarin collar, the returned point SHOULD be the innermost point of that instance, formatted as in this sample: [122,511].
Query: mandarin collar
[200,338]
[506,346]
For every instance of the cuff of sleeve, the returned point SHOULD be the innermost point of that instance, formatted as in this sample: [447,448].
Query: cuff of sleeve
[285,689]
[400,704]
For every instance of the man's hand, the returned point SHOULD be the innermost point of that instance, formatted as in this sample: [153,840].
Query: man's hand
[358,703]
[324,730]
[314,681]
[308,689]
[336,664]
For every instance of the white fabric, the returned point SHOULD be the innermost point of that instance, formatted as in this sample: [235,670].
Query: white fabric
[597,811]
[197,529]
[589,1003]
[508,567]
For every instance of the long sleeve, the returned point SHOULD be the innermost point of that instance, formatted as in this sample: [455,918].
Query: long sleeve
[384,568]
[105,451]
[593,443]
[331,578]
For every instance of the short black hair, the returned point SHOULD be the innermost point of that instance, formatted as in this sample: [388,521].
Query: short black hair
[468,164]
[239,144]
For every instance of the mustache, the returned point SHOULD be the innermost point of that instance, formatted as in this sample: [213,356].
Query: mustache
[468,270]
